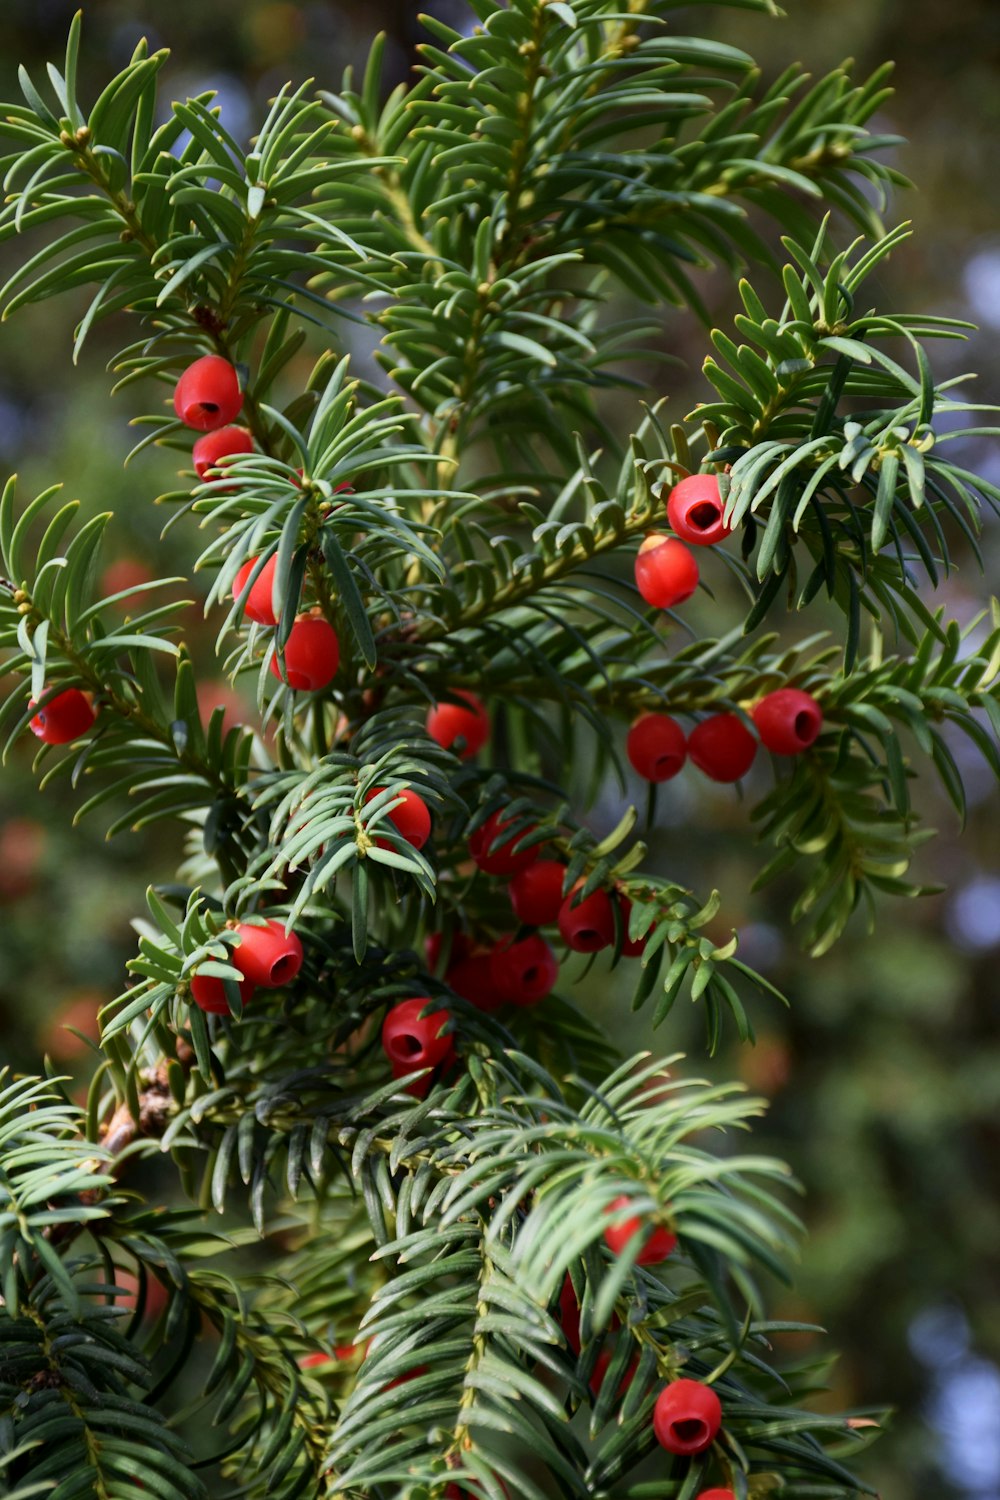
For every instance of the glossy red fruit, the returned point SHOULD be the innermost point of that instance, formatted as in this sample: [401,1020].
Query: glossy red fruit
[212,450]
[716,1494]
[505,859]
[656,747]
[631,947]
[665,571]
[695,510]
[461,947]
[687,1417]
[658,1244]
[536,894]
[411,818]
[526,971]
[267,955]
[472,977]
[411,1040]
[257,606]
[208,394]
[312,655]
[589,925]
[64,718]
[209,993]
[722,747]
[463,727]
[788,721]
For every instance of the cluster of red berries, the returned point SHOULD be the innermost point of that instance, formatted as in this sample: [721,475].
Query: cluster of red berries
[312,650]
[266,955]
[586,923]
[787,721]
[207,397]
[666,573]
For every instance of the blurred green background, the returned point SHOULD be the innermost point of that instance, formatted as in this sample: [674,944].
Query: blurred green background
[884,1075]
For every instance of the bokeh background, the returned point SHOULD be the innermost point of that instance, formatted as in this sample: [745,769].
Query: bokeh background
[884,1074]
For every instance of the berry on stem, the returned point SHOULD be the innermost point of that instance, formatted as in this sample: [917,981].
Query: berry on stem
[64,718]
[411,818]
[525,971]
[412,1040]
[722,747]
[587,925]
[536,894]
[267,955]
[258,605]
[656,747]
[658,1244]
[208,395]
[788,721]
[312,655]
[665,571]
[212,450]
[695,510]
[463,727]
[471,976]
[505,859]
[461,947]
[687,1417]
[209,993]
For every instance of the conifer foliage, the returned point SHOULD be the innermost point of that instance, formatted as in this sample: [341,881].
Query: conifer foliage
[467,1249]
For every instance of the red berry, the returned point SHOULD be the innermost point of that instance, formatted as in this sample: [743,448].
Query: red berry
[716,1494]
[695,510]
[601,1369]
[267,955]
[687,1417]
[788,721]
[64,718]
[656,747]
[212,450]
[124,573]
[411,818]
[722,747]
[209,993]
[462,729]
[588,925]
[569,1314]
[665,571]
[472,977]
[526,971]
[658,1245]
[536,894]
[506,859]
[461,947]
[311,1361]
[208,394]
[411,1040]
[258,604]
[312,655]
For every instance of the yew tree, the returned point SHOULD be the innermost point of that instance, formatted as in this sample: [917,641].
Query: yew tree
[362,1202]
